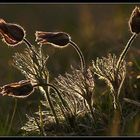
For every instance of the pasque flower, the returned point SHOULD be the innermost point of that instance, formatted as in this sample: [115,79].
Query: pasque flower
[134,21]
[59,39]
[20,89]
[12,34]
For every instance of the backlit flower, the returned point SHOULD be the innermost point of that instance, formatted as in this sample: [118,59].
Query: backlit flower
[20,89]
[134,21]
[12,34]
[58,39]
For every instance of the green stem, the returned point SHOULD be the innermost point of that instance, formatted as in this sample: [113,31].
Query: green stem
[121,58]
[52,86]
[49,101]
[14,111]
[57,91]
[123,54]
[80,55]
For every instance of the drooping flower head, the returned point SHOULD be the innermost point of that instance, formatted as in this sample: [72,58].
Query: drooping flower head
[20,89]
[134,21]
[12,34]
[57,39]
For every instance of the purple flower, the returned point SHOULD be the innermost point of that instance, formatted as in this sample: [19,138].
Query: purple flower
[20,89]
[134,21]
[12,34]
[58,39]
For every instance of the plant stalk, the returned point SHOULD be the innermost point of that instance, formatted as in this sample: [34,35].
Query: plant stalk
[82,59]
[124,52]
[50,103]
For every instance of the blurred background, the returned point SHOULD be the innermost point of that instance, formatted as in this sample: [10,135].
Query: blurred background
[98,29]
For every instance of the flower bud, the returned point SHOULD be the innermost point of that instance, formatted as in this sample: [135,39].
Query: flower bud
[134,21]
[58,39]
[20,89]
[12,34]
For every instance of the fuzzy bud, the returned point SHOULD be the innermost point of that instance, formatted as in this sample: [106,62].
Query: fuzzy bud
[12,34]
[20,89]
[58,39]
[134,21]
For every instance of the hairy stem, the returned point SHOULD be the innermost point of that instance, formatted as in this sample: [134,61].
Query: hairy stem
[82,59]
[124,52]
[57,91]
[120,60]
[49,101]
[29,45]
